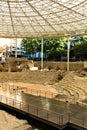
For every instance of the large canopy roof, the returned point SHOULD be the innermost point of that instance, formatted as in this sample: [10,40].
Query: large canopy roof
[42,18]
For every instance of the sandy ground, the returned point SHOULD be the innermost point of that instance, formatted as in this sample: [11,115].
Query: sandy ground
[37,83]
[9,122]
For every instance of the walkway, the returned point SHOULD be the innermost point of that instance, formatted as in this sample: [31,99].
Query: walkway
[48,109]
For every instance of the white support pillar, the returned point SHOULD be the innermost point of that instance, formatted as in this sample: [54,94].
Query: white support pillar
[16,48]
[42,54]
[68,54]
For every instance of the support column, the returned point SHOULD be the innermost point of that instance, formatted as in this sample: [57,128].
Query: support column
[42,54]
[68,54]
[16,48]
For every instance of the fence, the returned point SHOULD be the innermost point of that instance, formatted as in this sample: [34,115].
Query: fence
[51,116]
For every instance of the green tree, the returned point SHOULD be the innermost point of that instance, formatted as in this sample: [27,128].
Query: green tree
[80,48]
[31,45]
[54,47]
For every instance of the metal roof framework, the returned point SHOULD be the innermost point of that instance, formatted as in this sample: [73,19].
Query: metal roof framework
[42,18]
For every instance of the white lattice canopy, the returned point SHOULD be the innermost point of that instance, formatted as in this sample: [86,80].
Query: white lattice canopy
[42,18]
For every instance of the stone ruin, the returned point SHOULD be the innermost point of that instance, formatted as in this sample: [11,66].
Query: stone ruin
[16,65]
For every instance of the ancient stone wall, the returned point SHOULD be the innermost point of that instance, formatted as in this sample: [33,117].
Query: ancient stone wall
[61,65]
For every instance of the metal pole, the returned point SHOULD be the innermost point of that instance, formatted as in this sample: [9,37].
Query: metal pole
[16,48]
[42,54]
[68,51]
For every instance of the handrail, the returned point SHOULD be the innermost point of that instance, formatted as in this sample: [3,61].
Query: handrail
[29,108]
[54,117]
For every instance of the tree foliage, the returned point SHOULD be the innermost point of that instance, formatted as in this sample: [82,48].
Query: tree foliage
[31,45]
[56,48]
[80,48]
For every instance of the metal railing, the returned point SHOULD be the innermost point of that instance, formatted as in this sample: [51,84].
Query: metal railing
[51,116]
[34,110]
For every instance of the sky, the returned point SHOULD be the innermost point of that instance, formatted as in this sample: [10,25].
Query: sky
[8,41]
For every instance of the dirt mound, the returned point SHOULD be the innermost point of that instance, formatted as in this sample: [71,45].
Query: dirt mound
[39,77]
[73,85]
